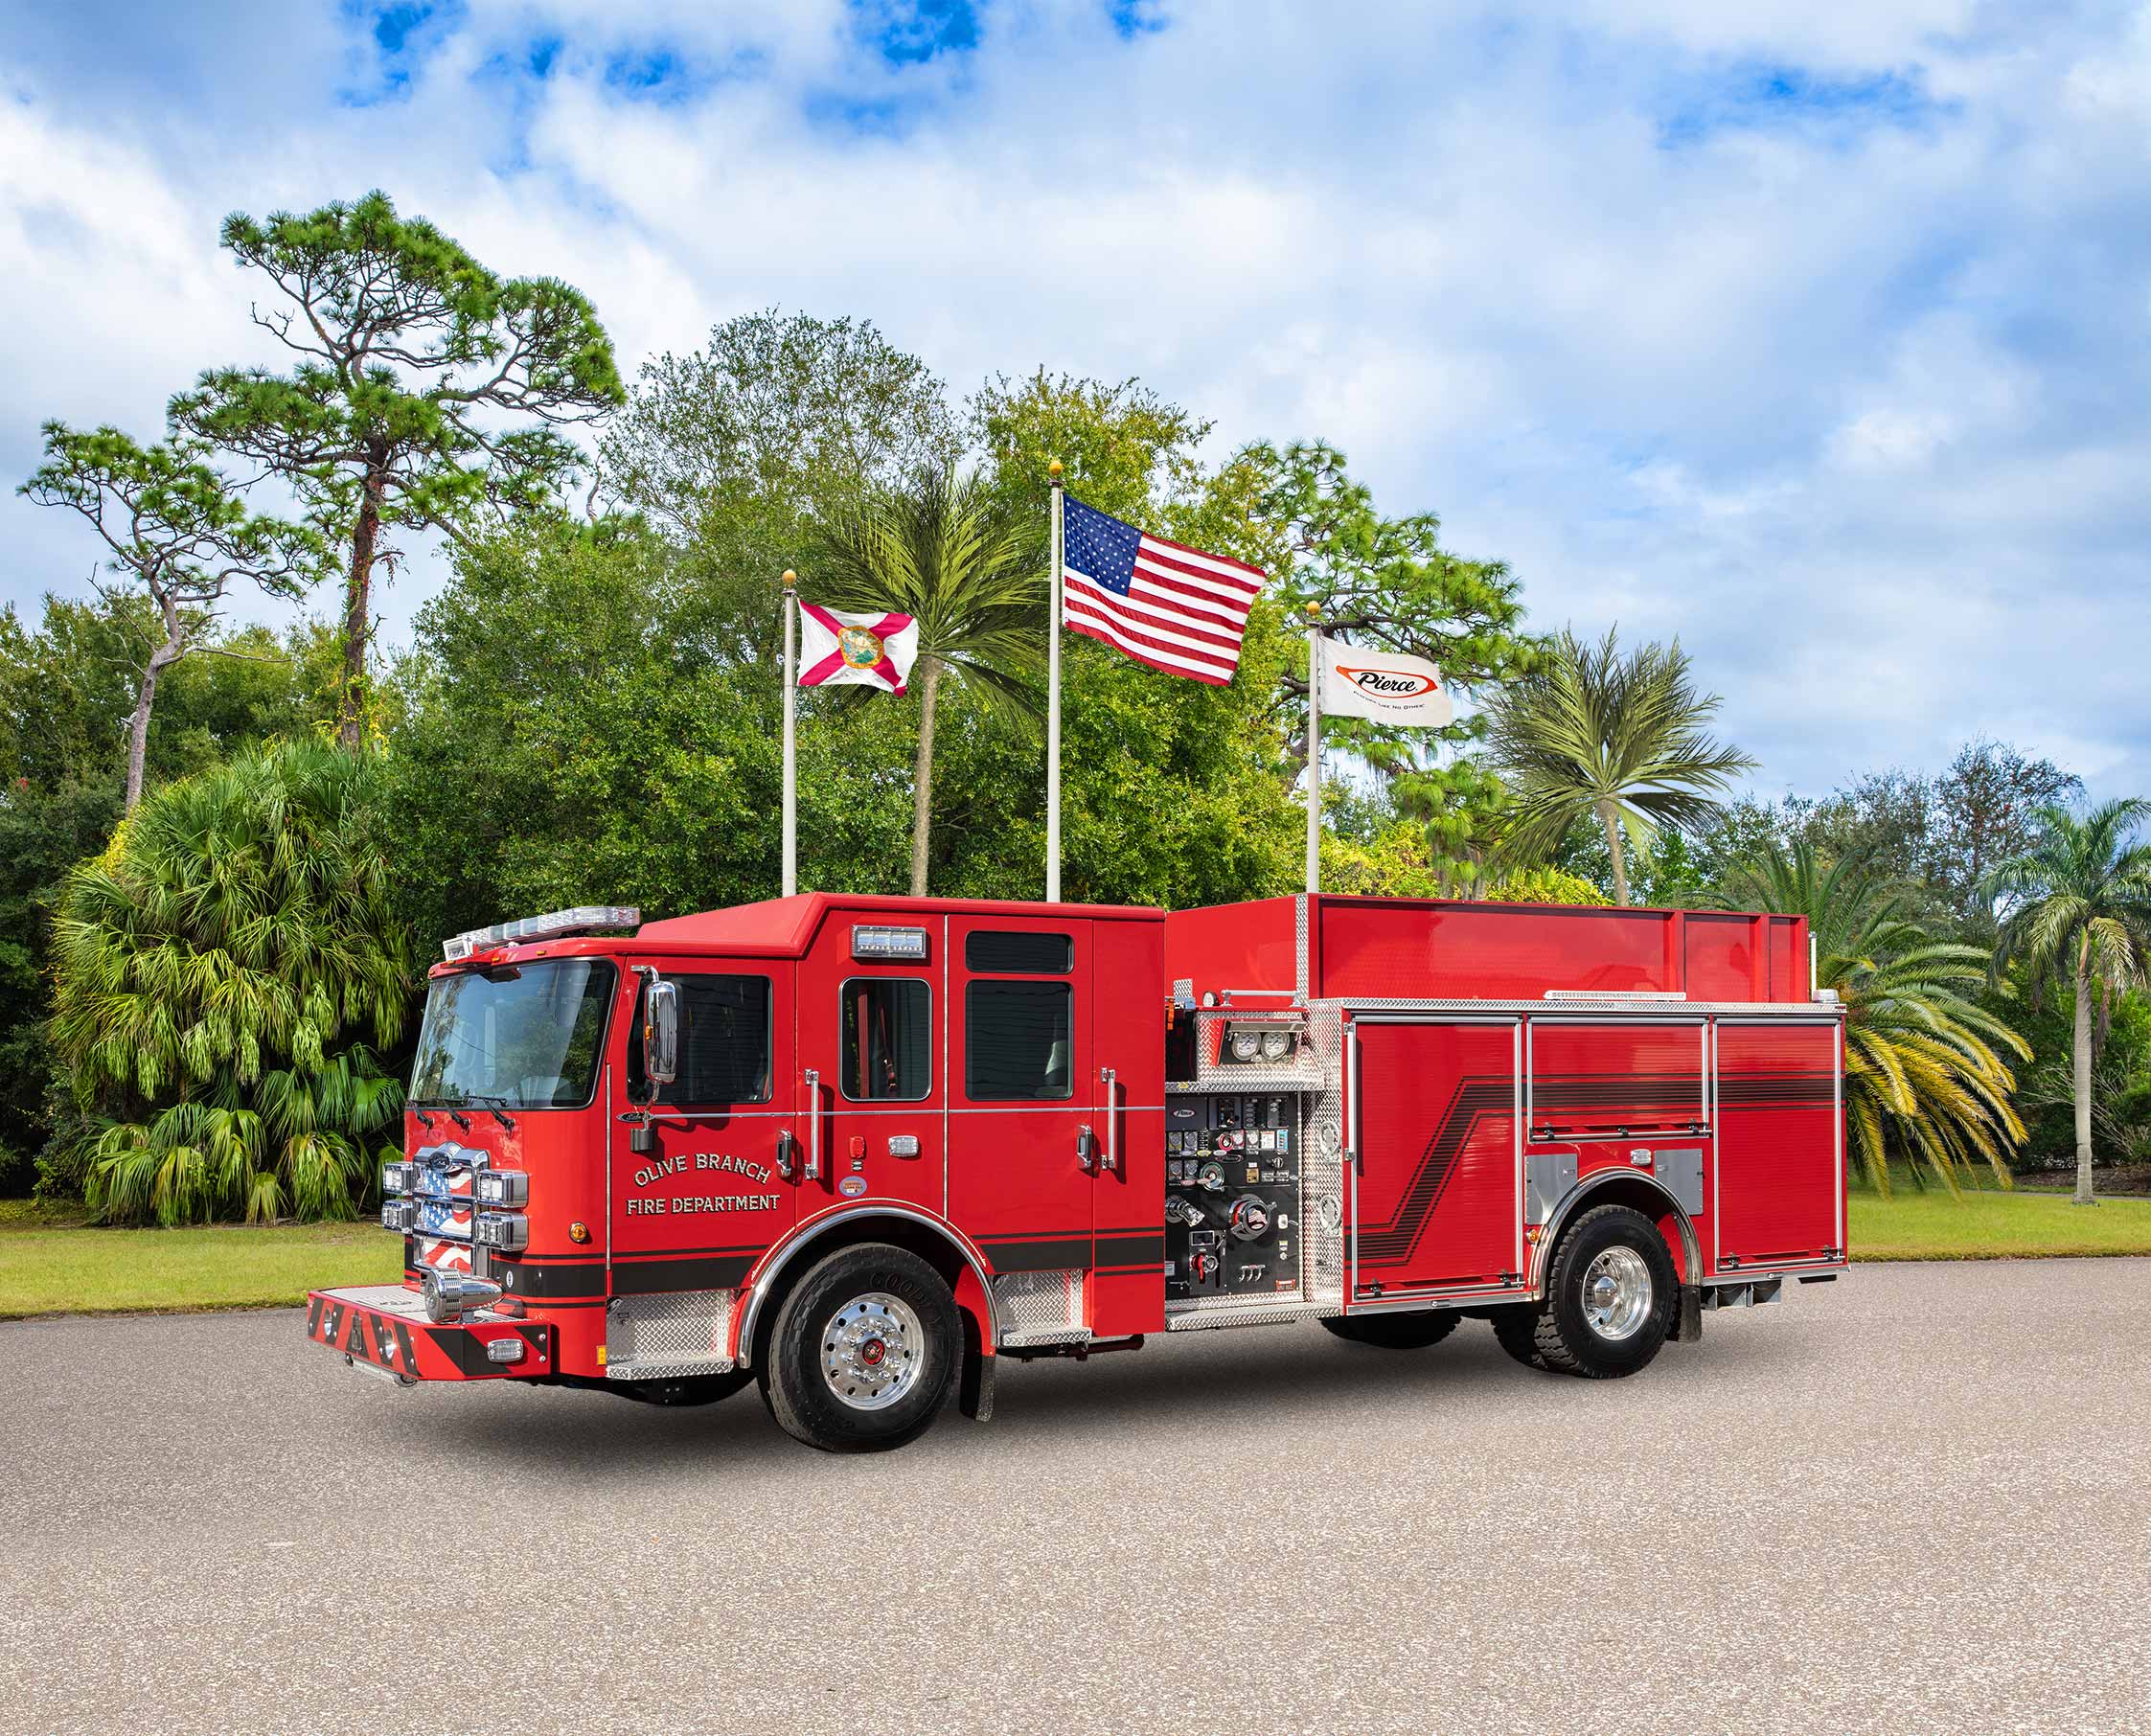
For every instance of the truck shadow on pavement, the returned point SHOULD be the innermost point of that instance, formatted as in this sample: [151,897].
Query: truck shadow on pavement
[1292,1376]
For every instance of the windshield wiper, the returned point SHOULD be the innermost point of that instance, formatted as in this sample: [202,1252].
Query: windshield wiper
[490,1101]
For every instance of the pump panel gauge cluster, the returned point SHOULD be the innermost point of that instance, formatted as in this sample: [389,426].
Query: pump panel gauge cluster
[1232,1196]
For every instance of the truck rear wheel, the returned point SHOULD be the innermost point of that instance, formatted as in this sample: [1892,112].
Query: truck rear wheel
[1394,1332]
[1610,1295]
[862,1351]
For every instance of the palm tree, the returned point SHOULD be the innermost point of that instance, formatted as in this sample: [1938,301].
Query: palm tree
[213,972]
[1621,737]
[1922,1075]
[943,551]
[2079,908]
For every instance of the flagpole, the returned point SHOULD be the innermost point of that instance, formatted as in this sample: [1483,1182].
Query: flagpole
[791,757]
[1314,747]
[1053,704]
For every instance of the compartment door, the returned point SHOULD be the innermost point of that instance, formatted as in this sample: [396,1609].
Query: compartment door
[1437,1194]
[1780,1192]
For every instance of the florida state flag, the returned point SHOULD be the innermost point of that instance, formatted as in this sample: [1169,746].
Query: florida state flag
[837,648]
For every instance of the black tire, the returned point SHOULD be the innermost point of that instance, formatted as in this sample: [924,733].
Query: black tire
[1394,1332]
[849,1312]
[1566,1334]
[1517,1329]
[686,1390]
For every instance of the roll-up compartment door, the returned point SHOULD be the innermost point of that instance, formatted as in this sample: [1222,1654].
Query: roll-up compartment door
[1780,1174]
[1437,1198]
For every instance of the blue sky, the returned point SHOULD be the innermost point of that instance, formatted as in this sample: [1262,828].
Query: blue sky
[1818,335]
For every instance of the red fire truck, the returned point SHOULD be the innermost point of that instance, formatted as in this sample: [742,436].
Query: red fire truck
[861,1149]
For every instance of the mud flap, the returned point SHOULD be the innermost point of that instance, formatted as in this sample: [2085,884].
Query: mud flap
[975,1391]
[1687,1318]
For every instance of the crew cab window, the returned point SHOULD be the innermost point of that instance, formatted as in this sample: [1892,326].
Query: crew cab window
[1019,952]
[1017,1041]
[724,1043]
[888,1038]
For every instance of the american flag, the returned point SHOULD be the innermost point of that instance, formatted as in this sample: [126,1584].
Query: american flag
[1164,604]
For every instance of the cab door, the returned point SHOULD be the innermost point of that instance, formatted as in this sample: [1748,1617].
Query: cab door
[1030,1133]
[871,1064]
[718,1183]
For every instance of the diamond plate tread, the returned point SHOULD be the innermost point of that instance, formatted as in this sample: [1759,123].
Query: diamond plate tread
[682,1332]
[665,1371]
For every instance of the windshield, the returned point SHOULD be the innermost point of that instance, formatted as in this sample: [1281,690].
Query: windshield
[523,1037]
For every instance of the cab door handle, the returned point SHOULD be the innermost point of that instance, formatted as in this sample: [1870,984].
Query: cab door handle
[1109,1078]
[788,1154]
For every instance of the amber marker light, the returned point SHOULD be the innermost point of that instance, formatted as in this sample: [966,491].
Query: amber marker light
[579,1232]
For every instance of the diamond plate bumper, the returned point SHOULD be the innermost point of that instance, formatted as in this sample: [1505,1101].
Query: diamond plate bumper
[384,1327]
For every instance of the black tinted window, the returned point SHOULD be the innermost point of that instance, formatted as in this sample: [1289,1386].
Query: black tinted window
[1019,954]
[1015,1042]
[888,1038]
[723,1042]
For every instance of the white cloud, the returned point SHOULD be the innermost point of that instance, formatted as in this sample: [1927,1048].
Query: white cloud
[1814,334]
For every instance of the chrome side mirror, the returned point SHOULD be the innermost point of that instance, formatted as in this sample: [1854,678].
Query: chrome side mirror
[660,1032]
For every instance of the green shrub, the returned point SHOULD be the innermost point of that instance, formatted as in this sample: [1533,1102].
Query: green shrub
[215,971]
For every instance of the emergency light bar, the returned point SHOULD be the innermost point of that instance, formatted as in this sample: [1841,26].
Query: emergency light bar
[583,919]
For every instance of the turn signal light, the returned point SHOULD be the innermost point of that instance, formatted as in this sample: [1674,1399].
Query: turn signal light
[505,1350]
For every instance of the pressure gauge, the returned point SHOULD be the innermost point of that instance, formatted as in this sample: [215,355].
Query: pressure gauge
[1245,1044]
[1276,1045]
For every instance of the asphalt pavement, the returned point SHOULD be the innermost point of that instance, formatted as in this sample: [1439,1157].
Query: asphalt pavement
[1919,1499]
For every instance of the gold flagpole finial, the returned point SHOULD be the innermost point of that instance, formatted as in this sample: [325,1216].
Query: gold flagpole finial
[790,578]
[1053,470]
[1314,611]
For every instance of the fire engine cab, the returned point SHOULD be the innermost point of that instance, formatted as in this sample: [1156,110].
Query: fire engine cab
[861,1149]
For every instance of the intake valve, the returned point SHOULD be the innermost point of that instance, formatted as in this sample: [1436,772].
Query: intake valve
[1250,1218]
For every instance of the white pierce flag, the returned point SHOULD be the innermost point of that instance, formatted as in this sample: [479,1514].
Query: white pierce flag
[1384,687]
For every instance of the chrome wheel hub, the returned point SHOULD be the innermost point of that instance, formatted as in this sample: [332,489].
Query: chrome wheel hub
[1617,1294]
[873,1350]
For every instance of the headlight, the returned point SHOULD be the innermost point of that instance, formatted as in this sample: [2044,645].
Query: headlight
[1245,1046]
[400,1215]
[1276,1045]
[501,1187]
[507,1231]
[398,1178]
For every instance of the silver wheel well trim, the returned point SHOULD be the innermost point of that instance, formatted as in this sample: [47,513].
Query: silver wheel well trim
[808,1234]
[1556,1221]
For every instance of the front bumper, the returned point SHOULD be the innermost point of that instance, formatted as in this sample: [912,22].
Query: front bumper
[383,1327]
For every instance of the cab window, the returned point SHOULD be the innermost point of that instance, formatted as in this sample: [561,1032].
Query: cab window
[888,1038]
[724,1043]
[1016,1042]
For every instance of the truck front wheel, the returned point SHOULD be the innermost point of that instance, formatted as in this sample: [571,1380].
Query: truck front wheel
[1610,1292]
[862,1351]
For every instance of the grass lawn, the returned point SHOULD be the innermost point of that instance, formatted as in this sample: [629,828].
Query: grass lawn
[1987,1225]
[51,1264]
